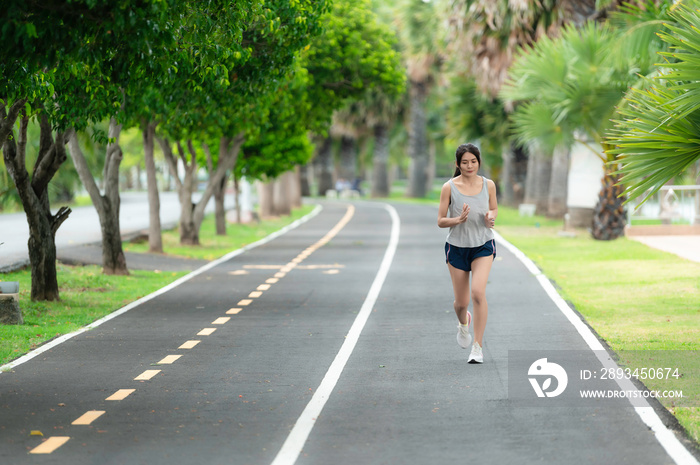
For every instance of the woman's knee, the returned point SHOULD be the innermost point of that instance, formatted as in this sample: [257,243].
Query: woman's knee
[479,297]
[460,306]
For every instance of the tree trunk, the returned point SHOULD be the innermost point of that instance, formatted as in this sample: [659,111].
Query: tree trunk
[229,148]
[544,176]
[430,171]
[348,158]
[559,183]
[265,199]
[418,142]
[33,193]
[281,204]
[380,174]
[155,236]
[237,198]
[304,183]
[107,205]
[539,174]
[219,209]
[295,186]
[609,215]
[530,196]
[508,177]
[139,184]
[324,166]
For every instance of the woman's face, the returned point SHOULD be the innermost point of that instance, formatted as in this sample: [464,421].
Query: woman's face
[469,164]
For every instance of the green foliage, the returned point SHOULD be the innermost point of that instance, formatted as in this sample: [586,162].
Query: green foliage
[354,54]
[657,135]
[471,116]
[575,82]
[565,85]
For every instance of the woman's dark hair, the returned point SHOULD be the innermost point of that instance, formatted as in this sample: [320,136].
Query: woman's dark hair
[461,150]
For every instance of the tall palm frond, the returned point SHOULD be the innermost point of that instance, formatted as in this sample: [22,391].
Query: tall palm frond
[658,134]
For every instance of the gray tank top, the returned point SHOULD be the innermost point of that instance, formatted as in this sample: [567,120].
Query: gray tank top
[473,232]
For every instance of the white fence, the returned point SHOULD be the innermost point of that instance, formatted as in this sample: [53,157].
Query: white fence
[670,205]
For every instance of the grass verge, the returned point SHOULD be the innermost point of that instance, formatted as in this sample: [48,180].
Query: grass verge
[88,295]
[638,299]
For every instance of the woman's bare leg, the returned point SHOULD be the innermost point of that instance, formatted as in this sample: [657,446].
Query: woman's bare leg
[460,286]
[481,267]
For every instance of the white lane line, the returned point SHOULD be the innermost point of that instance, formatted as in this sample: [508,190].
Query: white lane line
[675,449]
[206,332]
[302,428]
[173,285]
[233,311]
[244,302]
[222,320]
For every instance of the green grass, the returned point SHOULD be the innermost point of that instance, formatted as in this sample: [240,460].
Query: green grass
[86,295]
[635,297]
[212,246]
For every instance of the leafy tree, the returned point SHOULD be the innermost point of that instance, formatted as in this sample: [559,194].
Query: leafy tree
[59,72]
[354,54]
[228,110]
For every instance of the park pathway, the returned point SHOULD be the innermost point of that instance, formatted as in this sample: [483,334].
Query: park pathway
[219,369]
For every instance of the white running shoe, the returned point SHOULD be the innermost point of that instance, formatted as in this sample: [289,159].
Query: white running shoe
[477,355]
[464,339]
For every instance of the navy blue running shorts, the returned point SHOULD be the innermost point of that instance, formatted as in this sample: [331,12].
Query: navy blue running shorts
[462,257]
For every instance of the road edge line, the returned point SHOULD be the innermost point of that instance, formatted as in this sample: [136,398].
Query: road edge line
[668,440]
[55,342]
[293,445]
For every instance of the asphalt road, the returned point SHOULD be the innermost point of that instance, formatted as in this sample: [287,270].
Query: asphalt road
[404,394]
[83,225]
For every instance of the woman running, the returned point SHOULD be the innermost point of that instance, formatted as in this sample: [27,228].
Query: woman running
[468,207]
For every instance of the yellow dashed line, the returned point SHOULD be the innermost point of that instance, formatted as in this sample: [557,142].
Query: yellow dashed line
[244,302]
[221,320]
[280,275]
[263,287]
[271,280]
[146,375]
[121,394]
[234,311]
[50,445]
[169,359]
[88,417]
[206,332]
[255,294]
[238,272]
[189,345]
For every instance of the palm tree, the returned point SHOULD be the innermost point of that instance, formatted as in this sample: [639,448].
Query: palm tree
[573,84]
[656,138]
[418,30]
[488,34]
